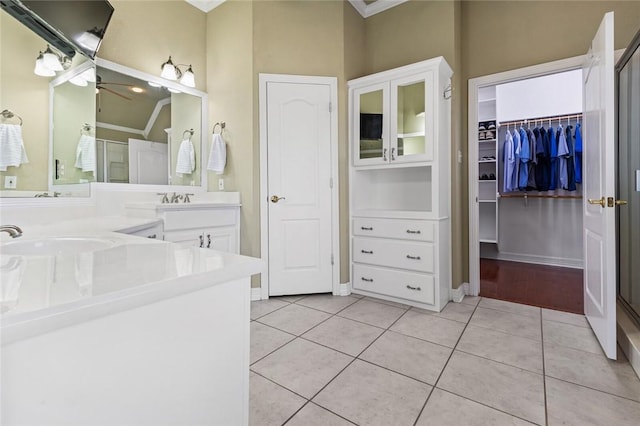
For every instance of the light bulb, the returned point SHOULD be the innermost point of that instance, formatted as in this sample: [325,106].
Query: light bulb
[169,70]
[89,75]
[41,69]
[188,79]
[78,81]
[51,60]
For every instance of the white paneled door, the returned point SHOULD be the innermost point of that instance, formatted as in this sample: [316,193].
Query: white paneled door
[148,162]
[599,188]
[299,200]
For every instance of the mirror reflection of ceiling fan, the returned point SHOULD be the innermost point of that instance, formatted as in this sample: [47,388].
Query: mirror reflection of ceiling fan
[101,85]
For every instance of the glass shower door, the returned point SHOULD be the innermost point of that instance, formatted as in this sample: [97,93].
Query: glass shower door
[629,178]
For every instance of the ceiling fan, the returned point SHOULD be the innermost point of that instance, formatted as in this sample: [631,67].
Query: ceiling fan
[100,85]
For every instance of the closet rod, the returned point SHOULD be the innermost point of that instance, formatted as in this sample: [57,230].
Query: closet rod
[547,118]
[571,197]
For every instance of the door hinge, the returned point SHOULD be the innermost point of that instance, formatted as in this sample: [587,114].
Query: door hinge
[330,182]
[332,258]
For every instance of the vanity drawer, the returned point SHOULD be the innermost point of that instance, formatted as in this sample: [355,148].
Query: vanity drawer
[402,284]
[417,256]
[201,218]
[405,229]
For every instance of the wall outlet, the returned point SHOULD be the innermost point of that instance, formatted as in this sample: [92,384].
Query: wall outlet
[10,182]
[221,184]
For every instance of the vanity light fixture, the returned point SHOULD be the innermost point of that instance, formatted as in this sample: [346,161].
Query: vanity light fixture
[48,62]
[170,71]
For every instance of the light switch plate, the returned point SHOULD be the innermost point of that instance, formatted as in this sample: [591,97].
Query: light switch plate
[10,182]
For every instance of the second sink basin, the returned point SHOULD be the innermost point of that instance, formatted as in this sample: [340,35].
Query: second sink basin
[53,246]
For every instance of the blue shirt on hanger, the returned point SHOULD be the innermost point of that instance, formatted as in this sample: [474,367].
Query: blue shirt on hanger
[523,175]
[578,158]
[553,145]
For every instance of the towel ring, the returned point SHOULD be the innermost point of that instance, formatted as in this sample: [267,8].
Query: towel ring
[190,131]
[10,114]
[222,125]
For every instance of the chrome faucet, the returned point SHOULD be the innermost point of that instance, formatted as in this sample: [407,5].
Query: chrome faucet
[13,230]
[175,198]
[186,198]
[165,200]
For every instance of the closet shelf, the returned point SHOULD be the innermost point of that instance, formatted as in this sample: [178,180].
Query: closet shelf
[487,201]
[487,180]
[482,101]
[486,140]
[486,161]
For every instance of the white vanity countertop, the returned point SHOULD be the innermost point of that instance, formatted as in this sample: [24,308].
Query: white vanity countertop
[44,293]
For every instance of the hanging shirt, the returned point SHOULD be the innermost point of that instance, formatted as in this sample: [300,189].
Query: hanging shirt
[515,135]
[523,174]
[553,148]
[533,161]
[509,162]
[578,157]
[571,166]
[542,152]
[563,153]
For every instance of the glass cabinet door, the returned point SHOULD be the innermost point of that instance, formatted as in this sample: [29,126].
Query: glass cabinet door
[413,132]
[370,127]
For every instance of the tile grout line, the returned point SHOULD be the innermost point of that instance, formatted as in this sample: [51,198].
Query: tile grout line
[446,363]
[544,373]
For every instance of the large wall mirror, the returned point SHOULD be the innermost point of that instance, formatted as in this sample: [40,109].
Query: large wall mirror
[125,127]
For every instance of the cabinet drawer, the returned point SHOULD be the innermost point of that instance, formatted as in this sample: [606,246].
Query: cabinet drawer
[402,284]
[189,219]
[405,229]
[417,256]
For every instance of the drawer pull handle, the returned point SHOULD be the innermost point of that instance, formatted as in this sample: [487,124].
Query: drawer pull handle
[367,251]
[413,257]
[208,240]
[409,231]
[152,236]
[201,238]
[369,280]
[414,288]
[364,228]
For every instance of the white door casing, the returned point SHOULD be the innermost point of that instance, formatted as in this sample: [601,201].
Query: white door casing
[598,185]
[299,164]
[148,162]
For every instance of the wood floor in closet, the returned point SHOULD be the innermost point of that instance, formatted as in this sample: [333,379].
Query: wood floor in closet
[550,287]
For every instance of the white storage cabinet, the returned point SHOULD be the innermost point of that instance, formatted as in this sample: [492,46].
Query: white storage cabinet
[400,184]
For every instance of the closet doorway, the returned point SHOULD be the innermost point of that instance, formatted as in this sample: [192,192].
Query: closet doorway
[529,190]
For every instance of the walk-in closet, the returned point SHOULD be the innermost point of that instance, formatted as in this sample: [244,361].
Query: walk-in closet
[529,195]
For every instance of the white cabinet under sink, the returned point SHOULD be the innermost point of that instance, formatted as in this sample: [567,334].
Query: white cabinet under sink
[206,225]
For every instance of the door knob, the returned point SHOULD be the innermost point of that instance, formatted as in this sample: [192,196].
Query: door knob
[621,202]
[275,198]
[602,201]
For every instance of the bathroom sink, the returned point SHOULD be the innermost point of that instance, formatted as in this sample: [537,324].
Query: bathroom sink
[52,246]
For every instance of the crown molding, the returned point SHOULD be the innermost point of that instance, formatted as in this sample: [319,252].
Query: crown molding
[205,5]
[371,9]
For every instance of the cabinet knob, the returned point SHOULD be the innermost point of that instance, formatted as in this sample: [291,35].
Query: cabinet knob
[393,154]
[364,228]
[367,251]
[152,236]
[384,154]
[413,257]
[409,231]
[369,280]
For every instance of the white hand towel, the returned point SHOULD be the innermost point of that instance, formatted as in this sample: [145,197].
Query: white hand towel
[12,152]
[86,154]
[218,154]
[186,162]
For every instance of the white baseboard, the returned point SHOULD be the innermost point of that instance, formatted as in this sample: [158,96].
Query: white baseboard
[256,293]
[457,294]
[628,338]
[540,260]
[344,289]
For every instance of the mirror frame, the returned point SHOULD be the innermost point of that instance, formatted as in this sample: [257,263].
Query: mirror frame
[99,62]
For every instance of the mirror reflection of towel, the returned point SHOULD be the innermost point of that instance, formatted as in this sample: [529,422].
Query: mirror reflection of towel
[12,152]
[186,162]
[86,154]
[218,155]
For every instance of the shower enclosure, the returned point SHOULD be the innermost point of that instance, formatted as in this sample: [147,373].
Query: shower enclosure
[628,78]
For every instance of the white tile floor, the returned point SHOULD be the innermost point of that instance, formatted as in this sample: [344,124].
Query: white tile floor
[325,360]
